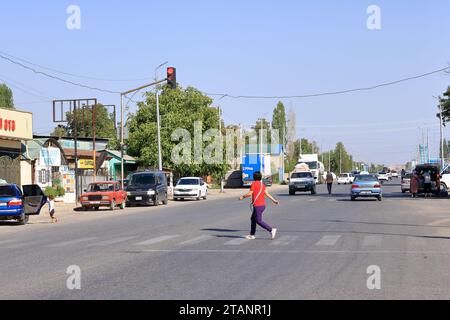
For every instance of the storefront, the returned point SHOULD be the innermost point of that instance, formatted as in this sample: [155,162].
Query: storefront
[15,127]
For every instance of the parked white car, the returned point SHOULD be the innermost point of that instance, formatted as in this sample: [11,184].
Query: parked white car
[190,188]
[345,178]
[383,176]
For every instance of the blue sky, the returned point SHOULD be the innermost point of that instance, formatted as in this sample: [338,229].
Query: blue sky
[249,48]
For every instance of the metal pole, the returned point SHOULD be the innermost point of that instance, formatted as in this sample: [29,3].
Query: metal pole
[442,135]
[260,145]
[121,142]
[94,152]
[75,148]
[159,131]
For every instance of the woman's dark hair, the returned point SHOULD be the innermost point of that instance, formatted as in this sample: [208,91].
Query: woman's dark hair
[257,176]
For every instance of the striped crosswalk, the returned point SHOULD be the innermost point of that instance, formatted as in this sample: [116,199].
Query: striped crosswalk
[319,242]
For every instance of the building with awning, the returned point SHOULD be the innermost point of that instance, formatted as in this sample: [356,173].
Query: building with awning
[114,159]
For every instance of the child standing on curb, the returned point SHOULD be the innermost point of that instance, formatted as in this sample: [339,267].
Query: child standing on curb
[51,208]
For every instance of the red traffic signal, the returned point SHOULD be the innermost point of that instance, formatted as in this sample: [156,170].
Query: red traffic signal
[172,77]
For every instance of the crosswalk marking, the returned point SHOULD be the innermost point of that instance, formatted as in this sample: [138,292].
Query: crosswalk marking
[66,243]
[111,242]
[6,241]
[328,241]
[313,200]
[284,240]
[196,240]
[157,240]
[236,242]
[372,240]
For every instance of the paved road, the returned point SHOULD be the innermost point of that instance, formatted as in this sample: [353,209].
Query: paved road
[196,250]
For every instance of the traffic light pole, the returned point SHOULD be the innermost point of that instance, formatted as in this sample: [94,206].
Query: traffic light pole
[122,95]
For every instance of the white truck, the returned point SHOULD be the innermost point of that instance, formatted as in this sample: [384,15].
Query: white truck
[315,166]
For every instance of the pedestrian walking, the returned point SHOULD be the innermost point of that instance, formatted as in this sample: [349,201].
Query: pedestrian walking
[51,208]
[414,185]
[427,184]
[259,193]
[329,180]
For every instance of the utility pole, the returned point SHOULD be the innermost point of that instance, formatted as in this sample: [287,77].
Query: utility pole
[160,166]
[261,145]
[94,155]
[340,159]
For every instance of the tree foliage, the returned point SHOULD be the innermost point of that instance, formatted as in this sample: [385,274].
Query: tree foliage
[179,109]
[6,97]
[82,124]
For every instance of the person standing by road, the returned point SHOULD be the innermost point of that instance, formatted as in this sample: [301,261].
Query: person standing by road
[51,208]
[259,193]
[414,184]
[427,184]
[329,180]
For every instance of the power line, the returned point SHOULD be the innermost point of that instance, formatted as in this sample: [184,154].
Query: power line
[331,92]
[72,74]
[55,77]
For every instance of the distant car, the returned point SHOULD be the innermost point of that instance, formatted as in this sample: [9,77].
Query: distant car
[268,181]
[406,182]
[345,178]
[383,176]
[16,204]
[190,188]
[394,174]
[104,194]
[366,186]
[147,188]
[302,181]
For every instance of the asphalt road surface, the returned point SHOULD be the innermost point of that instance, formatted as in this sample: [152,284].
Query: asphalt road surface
[327,248]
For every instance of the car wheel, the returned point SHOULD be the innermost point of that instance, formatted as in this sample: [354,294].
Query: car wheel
[156,201]
[199,196]
[97,208]
[112,205]
[85,208]
[313,191]
[352,198]
[380,198]
[206,194]
[403,191]
[166,200]
[23,220]
[291,192]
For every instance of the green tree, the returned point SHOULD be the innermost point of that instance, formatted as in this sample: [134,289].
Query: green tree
[279,121]
[82,123]
[179,108]
[6,97]
[446,106]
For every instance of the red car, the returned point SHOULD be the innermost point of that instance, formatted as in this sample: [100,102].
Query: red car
[103,194]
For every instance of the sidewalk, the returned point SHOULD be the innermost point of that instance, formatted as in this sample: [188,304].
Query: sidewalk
[65,210]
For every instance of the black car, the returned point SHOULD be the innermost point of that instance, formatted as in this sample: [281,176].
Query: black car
[147,188]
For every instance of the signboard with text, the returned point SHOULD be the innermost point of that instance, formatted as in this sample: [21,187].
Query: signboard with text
[16,125]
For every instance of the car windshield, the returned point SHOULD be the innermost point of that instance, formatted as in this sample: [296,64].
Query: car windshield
[143,179]
[343,175]
[100,187]
[312,164]
[407,176]
[298,175]
[188,182]
[365,178]
[7,191]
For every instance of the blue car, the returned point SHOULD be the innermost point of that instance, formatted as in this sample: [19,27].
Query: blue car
[16,204]
[366,186]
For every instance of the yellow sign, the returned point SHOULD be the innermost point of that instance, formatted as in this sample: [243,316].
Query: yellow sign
[85,164]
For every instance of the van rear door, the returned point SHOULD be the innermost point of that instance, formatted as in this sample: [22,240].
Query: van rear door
[33,199]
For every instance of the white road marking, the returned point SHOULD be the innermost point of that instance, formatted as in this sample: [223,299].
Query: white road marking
[283,241]
[156,240]
[6,241]
[328,241]
[331,200]
[372,240]
[111,242]
[313,200]
[236,242]
[196,240]
[66,243]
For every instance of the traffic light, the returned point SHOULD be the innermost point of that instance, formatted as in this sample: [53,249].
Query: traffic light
[172,77]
